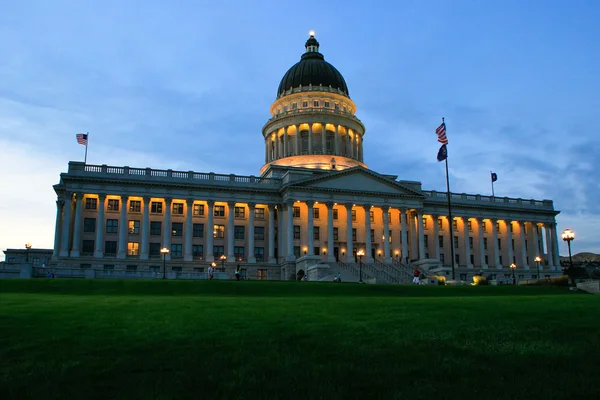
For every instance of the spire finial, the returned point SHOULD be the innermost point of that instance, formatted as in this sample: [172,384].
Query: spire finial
[312,46]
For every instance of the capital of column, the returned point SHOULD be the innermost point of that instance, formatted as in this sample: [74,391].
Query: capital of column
[367,207]
[60,203]
[231,204]
[79,196]
[330,204]
[188,201]
[251,206]
[385,208]
[349,206]
[124,197]
[310,203]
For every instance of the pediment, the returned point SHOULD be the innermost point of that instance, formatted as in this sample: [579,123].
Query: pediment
[357,180]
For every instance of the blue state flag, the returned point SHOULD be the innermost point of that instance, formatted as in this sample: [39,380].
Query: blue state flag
[443,153]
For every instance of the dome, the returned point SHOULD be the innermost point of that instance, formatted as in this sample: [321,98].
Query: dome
[312,69]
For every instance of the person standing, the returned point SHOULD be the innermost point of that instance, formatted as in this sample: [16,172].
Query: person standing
[237,272]
[211,272]
[416,276]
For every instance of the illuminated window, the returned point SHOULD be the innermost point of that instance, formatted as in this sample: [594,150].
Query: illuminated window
[219,211]
[484,226]
[177,228]
[113,205]
[134,227]
[261,274]
[294,106]
[156,207]
[240,212]
[198,210]
[353,215]
[135,206]
[316,103]
[455,224]
[371,215]
[133,248]
[296,212]
[337,107]
[259,213]
[315,213]
[335,213]
[424,222]
[91,203]
[470,225]
[440,223]
[177,208]
[219,231]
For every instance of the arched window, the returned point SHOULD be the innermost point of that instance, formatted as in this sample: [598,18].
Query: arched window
[304,144]
[330,142]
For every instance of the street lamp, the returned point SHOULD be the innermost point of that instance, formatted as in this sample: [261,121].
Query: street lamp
[538,260]
[223,258]
[568,235]
[164,251]
[360,255]
[27,248]
[513,266]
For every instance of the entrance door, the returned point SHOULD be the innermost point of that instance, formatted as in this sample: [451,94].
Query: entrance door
[336,253]
[354,255]
[373,250]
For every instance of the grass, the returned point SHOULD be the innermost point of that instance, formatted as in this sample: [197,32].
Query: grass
[101,339]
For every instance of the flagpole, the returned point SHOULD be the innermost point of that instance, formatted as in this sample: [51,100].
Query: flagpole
[86,145]
[492,179]
[450,220]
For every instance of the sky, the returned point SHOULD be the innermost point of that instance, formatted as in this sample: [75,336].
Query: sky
[187,85]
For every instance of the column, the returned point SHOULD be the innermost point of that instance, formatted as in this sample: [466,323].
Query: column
[414,238]
[386,235]
[522,238]
[421,233]
[290,231]
[336,142]
[66,224]
[330,255]
[123,228]
[251,258]
[167,228]
[368,238]
[497,264]
[404,234]
[210,228]
[189,229]
[77,226]
[349,247]
[436,240]
[481,243]
[145,250]
[310,138]
[60,204]
[285,142]
[266,151]
[310,235]
[556,252]
[467,245]
[277,150]
[272,258]
[298,152]
[509,239]
[99,253]
[534,249]
[323,138]
[549,253]
[230,243]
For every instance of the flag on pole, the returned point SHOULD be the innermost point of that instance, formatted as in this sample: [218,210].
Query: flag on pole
[82,138]
[442,153]
[494,177]
[441,133]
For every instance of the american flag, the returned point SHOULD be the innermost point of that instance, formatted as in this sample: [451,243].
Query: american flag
[82,138]
[441,132]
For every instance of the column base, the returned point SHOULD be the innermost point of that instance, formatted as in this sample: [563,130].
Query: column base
[64,253]
[499,266]
[331,258]
[98,254]
[484,266]
[470,266]
[74,253]
[290,258]
[210,258]
[122,255]
[144,256]
[187,257]
[231,258]
[272,260]
[252,260]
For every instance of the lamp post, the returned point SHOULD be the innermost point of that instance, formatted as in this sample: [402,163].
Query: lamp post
[360,255]
[568,236]
[27,248]
[513,266]
[223,258]
[538,260]
[164,251]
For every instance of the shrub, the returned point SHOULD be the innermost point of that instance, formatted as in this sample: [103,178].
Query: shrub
[479,280]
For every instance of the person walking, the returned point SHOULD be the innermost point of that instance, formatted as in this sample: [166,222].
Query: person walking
[237,272]
[211,272]
[416,276]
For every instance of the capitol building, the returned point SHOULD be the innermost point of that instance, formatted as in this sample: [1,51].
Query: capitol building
[313,208]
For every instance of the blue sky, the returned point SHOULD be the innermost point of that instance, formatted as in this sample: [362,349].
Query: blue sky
[188,85]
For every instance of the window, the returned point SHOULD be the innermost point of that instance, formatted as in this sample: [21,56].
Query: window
[112,226]
[335,213]
[305,104]
[315,213]
[134,227]
[440,223]
[326,104]
[154,268]
[498,226]
[484,226]
[219,211]
[441,241]
[261,274]
[238,252]
[198,251]
[239,212]
[471,243]
[456,242]
[296,212]
[177,228]
[297,251]
[91,203]
[219,231]
[108,267]
[177,208]
[463,277]
[353,215]
[457,259]
[512,244]
[512,226]
[316,233]
[337,107]
[131,268]
[198,230]
[316,103]
[316,250]
[110,247]
[176,269]
[218,251]
[296,231]
[113,205]
[155,228]
[259,233]
[470,225]
[442,258]
[500,259]
[294,106]
[426,240]
[259,213]
[156,207]
[87,247]
[371,216]
[239,232]
[455,224]
[486,260]
[89,225]
[372,236]
[259,253]
[500,245]
[198,210]
[85,266]
[176,250]
[424,222]
[485,244]
[335,234]
[354,234]
[154,249]
[133,248]
[135,206]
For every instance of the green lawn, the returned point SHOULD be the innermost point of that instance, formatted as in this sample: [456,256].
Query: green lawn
[104,339]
